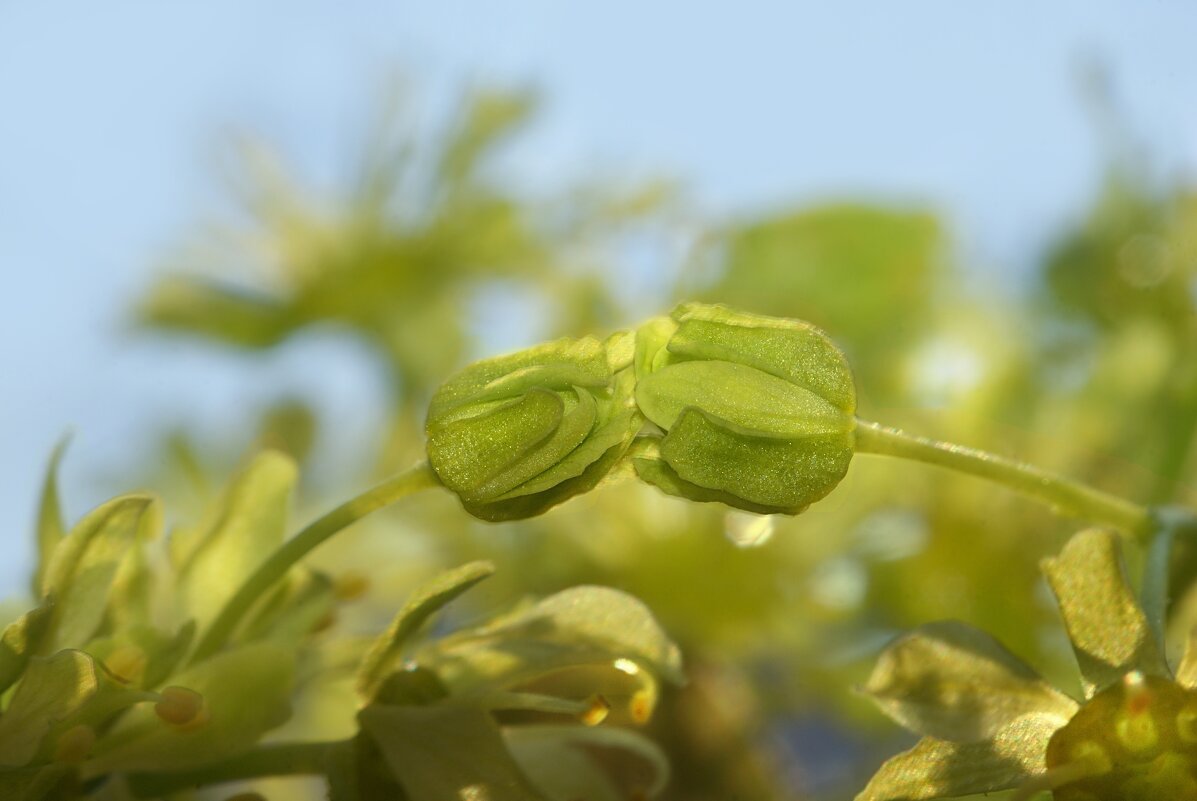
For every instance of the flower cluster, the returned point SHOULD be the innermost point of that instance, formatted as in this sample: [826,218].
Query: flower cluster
[107,688]
[991,723]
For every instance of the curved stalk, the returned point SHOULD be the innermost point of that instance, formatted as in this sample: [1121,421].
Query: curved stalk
[1171,521]
[290,552]
[1062,494]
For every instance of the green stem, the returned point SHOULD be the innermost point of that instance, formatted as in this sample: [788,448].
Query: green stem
[276,566]
[1063,494]
[282,759]
[1153,590]
[1171,521]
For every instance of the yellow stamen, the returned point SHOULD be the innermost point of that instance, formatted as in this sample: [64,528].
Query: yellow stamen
[641,706]
[597,712]
[180,706]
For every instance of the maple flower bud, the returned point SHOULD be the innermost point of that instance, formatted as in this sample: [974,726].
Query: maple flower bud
[757,412]
[517,434]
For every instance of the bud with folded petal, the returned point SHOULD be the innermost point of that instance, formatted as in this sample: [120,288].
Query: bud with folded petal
[757,412]
[517,434]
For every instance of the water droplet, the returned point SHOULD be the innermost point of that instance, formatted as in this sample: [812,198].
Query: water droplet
[747,530]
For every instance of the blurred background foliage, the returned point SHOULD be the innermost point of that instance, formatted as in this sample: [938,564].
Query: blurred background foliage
[1089,371]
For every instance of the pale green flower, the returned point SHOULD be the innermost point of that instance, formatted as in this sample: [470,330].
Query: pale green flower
[991,723]
[517,434]
[755,412]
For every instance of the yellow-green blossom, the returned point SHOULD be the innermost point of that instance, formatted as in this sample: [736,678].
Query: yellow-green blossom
[991,723]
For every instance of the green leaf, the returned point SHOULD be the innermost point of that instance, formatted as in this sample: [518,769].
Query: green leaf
[561,760]
[250,524]
[82,568]
[20,641]
[52,689]
[423,603]
[50,528]
[1108,630]
[940,769]
[447,752]
[581,625]
[954,682]
[246,692]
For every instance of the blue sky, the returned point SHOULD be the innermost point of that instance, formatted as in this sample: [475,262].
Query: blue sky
[112,115]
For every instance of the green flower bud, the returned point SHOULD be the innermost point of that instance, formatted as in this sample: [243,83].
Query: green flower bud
[517,434]
[758,412]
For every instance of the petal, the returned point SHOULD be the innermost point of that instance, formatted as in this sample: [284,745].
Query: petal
[446,752]
[743,396]
[789,349]
[427,599]
[1109,631]
[583,625]
[954,682]
[567,763]
[939,769]
[469,452]
[788,474]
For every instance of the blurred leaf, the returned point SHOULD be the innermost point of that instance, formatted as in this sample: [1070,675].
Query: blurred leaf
[53,688]
[82,568]
[866,273]
[250,525]
[298,607]
[246,692]
[425,601]
[1108,630]
[21,639]
[489,116]
[939,769]
[1132,258]
[141,655]
[447,752]
[50,528]
[561,760]
[201,307]
[951,681]
[581,625]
